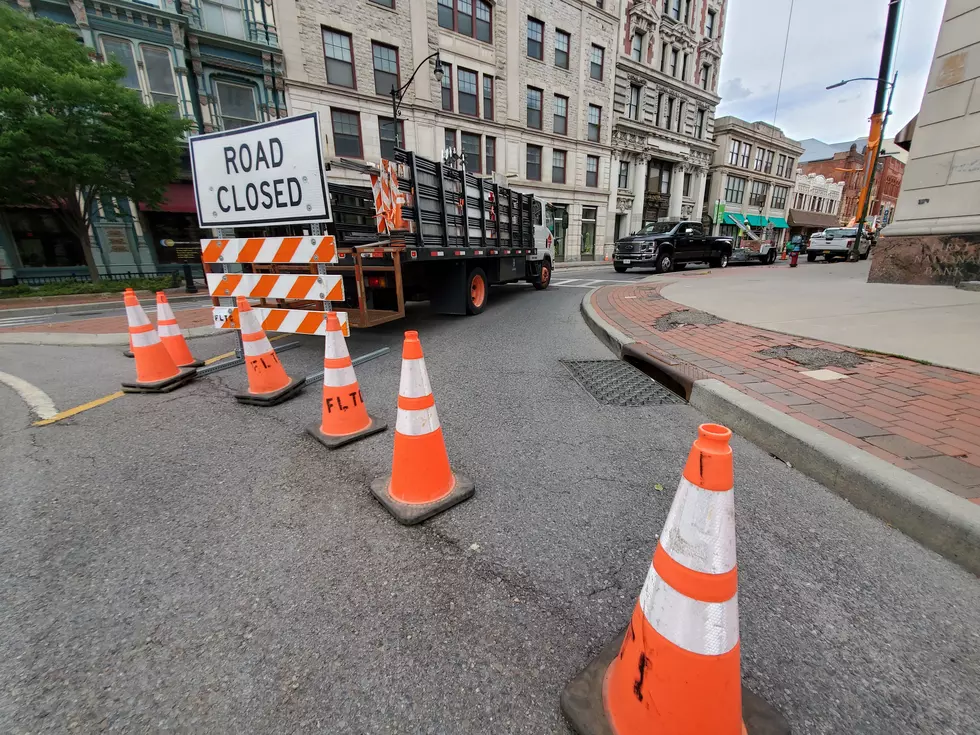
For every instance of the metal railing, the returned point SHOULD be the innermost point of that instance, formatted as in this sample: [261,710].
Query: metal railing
[174,276]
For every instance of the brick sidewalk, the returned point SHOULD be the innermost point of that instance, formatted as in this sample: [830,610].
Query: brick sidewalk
[188,319]
[922,418]
[27,302]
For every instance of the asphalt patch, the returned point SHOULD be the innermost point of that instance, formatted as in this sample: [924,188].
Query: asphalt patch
[814,357]
[685,318]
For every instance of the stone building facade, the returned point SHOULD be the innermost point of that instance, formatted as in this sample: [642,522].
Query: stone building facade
[667,63]
[752,178]
[848,167]
[815,206]
[526,93]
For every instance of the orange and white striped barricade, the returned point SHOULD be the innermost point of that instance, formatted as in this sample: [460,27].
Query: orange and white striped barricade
[676,669]
[421,483]
[344,416]
[171,336]
[268,383]
[293,321]
[156,371]
[128,352]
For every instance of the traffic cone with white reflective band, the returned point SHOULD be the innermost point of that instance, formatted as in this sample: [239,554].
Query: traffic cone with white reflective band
[268,383]
[171,336]
[345,417]
[156,371]
[129,352]
[421,483]
[676,670]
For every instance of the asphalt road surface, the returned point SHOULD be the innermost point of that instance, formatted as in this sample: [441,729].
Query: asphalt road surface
[182,562]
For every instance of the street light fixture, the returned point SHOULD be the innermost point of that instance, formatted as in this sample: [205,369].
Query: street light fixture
[859,79]
[398,94]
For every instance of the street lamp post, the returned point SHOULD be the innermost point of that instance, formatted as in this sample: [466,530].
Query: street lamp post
[863,213]
[398,94]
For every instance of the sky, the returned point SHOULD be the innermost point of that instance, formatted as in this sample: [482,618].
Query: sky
[829,40]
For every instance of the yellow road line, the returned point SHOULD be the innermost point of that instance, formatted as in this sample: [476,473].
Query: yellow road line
[118,394]
[78,409]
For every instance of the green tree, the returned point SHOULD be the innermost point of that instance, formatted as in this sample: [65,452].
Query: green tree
[70,134]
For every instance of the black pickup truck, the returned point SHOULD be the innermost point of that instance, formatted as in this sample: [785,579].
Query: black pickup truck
[671,245]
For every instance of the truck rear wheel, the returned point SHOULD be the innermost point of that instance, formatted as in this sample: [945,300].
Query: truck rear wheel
[544,280]
[477,291]
[810,257]
[771,258]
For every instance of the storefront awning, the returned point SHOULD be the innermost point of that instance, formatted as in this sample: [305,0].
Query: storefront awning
[177,198]
[779,223]
[757,220]
[734,218]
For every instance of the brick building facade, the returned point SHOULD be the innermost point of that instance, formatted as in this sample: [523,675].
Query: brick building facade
[849,167]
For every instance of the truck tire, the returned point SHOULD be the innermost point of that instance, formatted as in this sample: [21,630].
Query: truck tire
[865,256]
[771,258]
[720,262]
[477,291]
[620,268]
[665,262]
[810,257]
[544,280]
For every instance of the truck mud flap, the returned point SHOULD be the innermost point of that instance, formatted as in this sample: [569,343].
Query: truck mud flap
[447,294]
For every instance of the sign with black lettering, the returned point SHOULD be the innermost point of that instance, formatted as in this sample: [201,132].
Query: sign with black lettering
[266,174]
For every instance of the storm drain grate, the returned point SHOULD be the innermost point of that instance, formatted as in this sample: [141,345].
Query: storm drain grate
[617,383]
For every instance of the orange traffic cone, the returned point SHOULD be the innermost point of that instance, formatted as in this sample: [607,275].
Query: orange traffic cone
[345,418]
[676,670]
[268,383]
[421,483]
[156,371]
[171,335]
[129,352]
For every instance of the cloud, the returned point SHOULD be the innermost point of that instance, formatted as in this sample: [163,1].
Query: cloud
[755,31]
[733,90]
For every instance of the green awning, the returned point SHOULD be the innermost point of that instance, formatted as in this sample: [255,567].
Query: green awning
[779,223]
[757,220]
[734,218]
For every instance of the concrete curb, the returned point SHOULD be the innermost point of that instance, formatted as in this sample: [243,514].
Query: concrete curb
[939,520]
[69,339]
[94,306]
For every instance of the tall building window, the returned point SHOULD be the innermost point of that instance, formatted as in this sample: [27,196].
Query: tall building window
[709,24]
[449,139]
[735,190]
[669,122]
[237,105]
[680,117]
[733,151]
[664,51]
[224,17]
[636,47]
[781,165]
[468,101]
[560,124]
[760,155]
[122,52]
[688,178]
[779,197]
[684,68]
[535,39]
[386,132]
[447,87]
[624,175]
[660,109]
[457,15]
[789,168]
[596,62]
[592,170]
[491,150]
[757,198]
[386,3]
[471,149]
[340,60]
[699,124]
[159,67]
[385,68]
[706,77]
[595,123]
[674,53]
[563,43]
[767,163]
[633,106]
[746,152]
[673,8]
[347,133]
[558,167]
[533,170]
[534,108]
[487,97]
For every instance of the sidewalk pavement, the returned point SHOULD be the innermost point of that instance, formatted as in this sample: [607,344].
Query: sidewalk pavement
[923,420]
[105,330]
[31,305]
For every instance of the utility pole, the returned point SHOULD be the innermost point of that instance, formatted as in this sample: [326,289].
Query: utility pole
[878,116]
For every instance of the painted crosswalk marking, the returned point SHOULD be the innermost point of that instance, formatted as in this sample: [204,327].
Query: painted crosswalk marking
[594,283]
[20,321]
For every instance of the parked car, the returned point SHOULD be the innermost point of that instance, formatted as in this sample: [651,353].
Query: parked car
[670,245]
[837,242]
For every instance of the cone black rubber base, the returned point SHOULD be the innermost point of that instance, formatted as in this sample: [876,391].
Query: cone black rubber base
[127,353]
[408,514]
[195,364]
[294,388]
[582,705]
[185,375]
[333,442]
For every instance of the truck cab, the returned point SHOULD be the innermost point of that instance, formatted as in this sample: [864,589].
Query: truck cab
[670,245]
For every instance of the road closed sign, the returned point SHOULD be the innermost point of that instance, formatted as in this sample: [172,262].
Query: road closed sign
[265,174]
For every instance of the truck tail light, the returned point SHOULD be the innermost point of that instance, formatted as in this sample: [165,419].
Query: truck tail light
[377,282]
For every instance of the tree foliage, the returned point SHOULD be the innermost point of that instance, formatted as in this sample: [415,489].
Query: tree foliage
[69,133]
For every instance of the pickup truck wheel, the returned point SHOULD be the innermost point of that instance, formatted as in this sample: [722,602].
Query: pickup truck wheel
[620,268]
[771,258]
[476,291]
[865,255]
[720,262]
[543,281]
[810,257]
[665,263]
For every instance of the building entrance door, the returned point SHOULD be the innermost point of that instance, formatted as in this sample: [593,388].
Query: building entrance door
[561,227]
[588,232]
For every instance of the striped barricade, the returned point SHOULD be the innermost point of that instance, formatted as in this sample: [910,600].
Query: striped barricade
[307,250]
[293,321]
[277,286]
